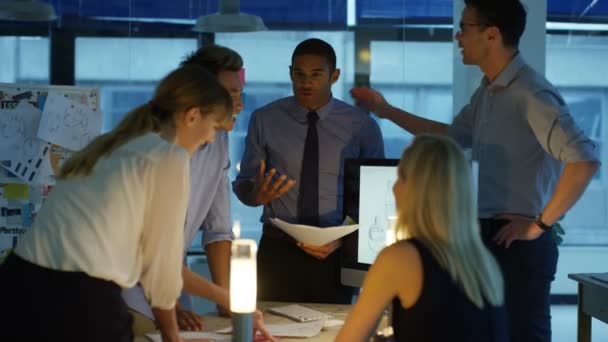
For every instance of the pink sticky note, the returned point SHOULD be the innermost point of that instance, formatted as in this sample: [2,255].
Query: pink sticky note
[242,76]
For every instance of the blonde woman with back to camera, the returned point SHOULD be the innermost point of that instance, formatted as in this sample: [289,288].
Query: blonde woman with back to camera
[444,285]
[115,218]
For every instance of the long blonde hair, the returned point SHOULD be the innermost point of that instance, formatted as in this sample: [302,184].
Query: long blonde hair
[187,87]
[439,209]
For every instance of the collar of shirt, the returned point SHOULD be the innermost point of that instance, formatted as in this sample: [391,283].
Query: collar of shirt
[217,137]
[508,74]
[300,113]
[203,147]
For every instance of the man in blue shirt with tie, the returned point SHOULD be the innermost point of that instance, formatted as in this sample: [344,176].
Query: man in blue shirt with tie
[293,166]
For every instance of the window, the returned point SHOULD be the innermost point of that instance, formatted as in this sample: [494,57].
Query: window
[415,76]
[126,69]
[575,64]
[24,59]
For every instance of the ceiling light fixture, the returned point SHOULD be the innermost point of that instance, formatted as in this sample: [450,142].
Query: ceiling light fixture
[26,10]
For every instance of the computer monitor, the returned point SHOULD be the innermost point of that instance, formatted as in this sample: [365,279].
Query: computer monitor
[369,200]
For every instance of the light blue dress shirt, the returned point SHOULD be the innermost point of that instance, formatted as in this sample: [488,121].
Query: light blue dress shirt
[277,133]
[208,207]
[521,132]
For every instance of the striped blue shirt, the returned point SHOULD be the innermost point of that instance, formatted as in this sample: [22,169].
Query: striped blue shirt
[521,132]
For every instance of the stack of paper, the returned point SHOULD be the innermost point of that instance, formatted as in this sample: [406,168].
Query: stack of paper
[308,329]
[301,330]
[156,337]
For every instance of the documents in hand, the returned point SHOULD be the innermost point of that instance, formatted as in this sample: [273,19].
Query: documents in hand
[313,235]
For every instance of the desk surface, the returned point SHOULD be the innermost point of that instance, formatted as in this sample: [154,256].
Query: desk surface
[588,278]
[592,301]
[213,322]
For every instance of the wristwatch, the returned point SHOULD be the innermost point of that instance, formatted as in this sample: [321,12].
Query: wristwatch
[539,222]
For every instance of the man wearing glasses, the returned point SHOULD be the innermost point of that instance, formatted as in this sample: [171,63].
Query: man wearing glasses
[534,162]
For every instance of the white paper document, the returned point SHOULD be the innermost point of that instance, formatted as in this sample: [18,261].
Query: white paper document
[308,329]
[156,337]
[332,323]
[313,235]
[18,129]
[67,123]
[35,168]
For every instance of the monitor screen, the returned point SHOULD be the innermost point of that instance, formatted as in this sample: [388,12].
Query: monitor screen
[376,208]
[368,199]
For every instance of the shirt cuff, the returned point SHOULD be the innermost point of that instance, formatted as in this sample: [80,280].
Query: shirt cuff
[211,237]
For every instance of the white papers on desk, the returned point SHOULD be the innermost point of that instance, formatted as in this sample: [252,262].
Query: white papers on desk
[308,329]
[313,235]
[332,323]
[156,337]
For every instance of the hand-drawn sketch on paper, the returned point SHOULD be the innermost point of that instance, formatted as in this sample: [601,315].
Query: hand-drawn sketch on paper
[67,123]
[18,129]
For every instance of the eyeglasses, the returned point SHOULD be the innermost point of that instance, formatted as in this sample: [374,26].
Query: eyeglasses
[462,25]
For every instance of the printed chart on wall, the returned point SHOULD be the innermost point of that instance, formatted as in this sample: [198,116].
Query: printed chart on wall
[40,126]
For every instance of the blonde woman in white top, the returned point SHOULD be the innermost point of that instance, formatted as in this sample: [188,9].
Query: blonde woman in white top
[115,218]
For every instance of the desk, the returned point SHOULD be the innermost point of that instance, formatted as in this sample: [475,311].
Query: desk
[213,322]
[592,302]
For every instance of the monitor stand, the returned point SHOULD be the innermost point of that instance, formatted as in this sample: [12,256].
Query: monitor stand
[352,277]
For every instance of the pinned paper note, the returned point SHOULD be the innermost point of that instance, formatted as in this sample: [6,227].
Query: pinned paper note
[18,130]
[16,191]
[11,94]
[67,123]
[27,214]
[11,215]
[37,169]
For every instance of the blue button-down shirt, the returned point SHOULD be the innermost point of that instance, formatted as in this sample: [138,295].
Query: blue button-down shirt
[277,133]
[521,131]
[208,207]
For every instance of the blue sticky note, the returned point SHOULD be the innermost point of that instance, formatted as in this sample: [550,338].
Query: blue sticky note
[27,214]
